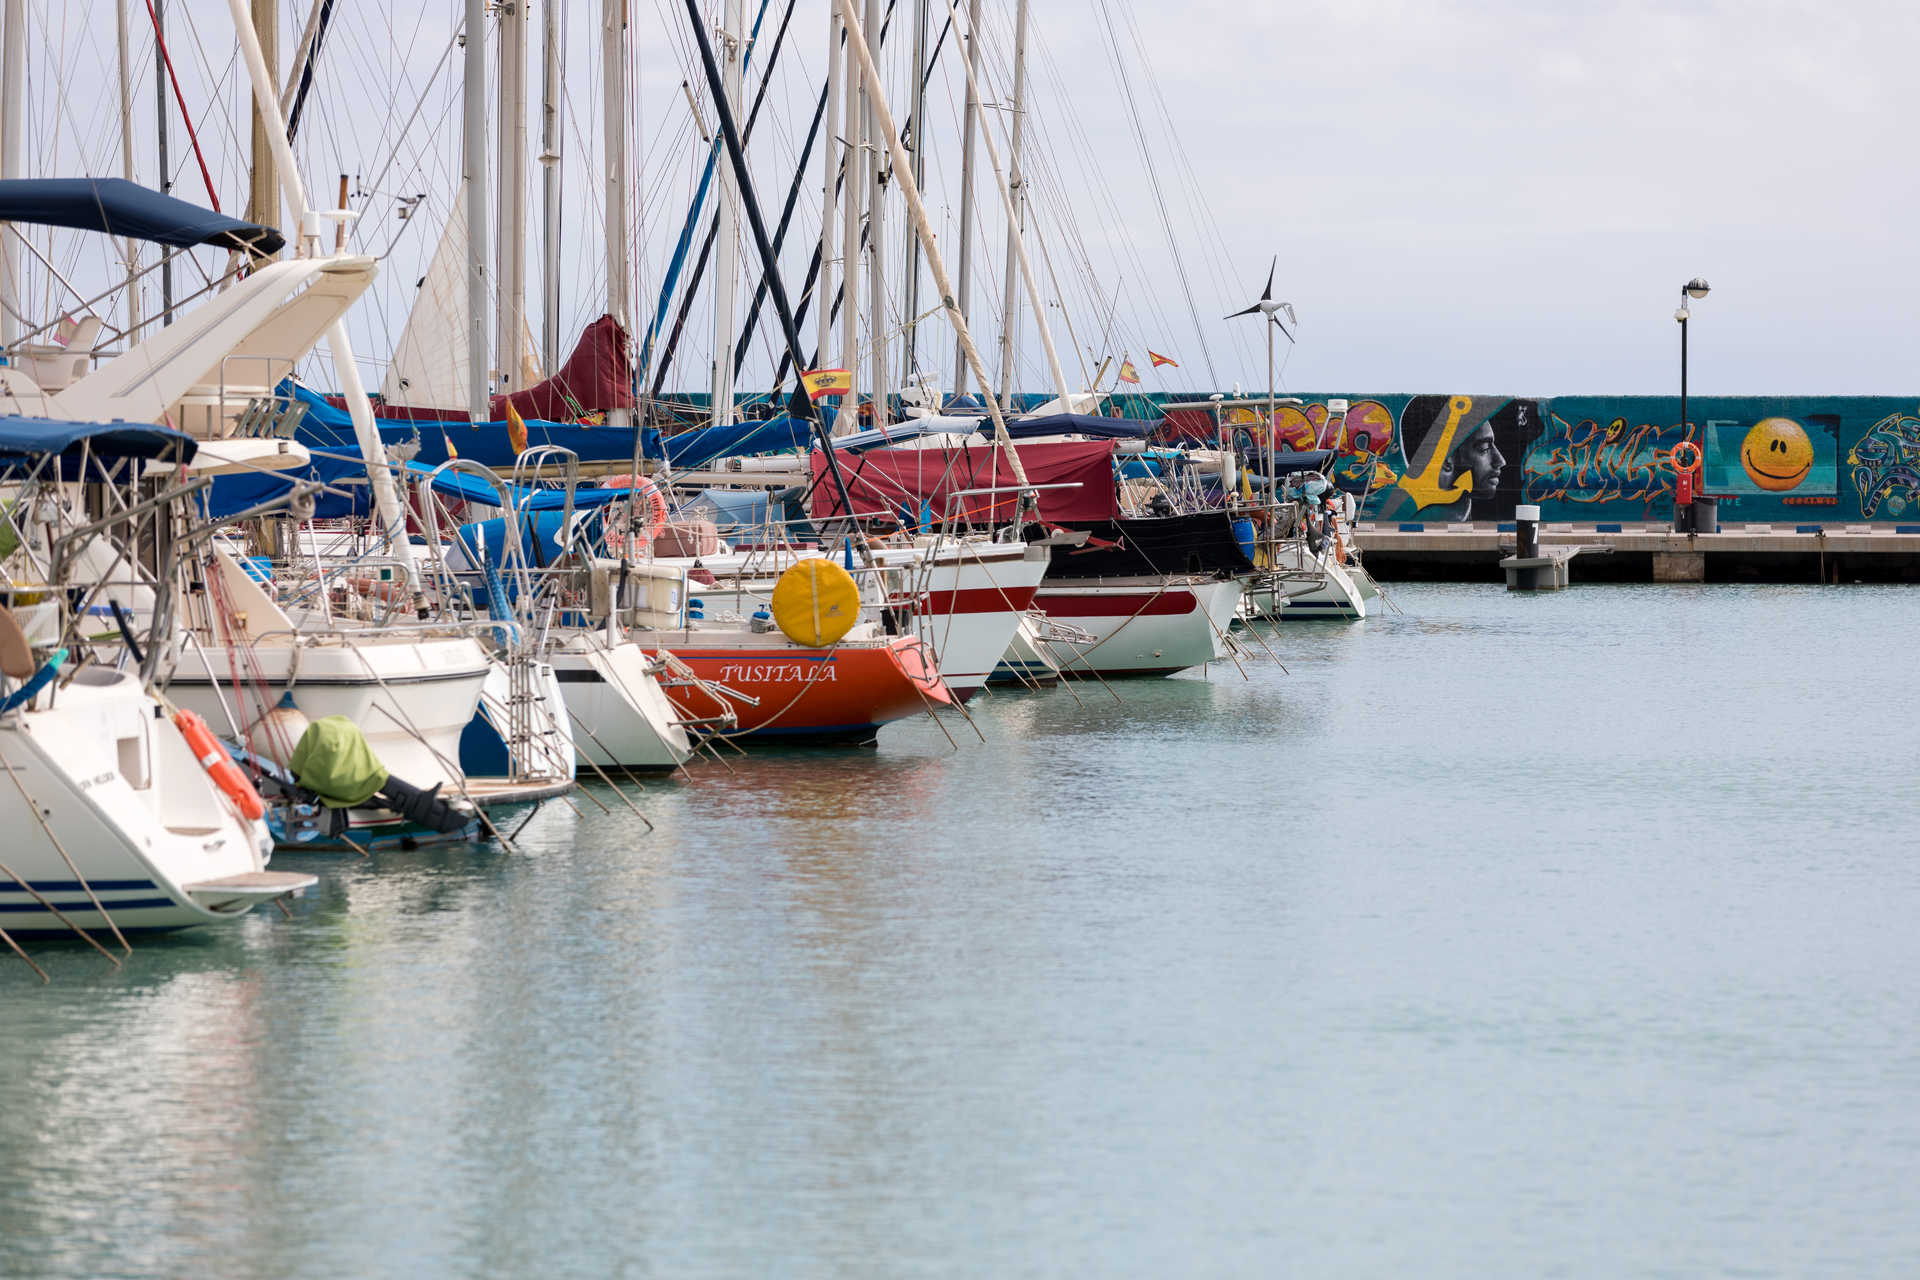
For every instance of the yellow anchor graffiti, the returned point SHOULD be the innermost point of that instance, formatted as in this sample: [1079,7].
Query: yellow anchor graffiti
[1424,489]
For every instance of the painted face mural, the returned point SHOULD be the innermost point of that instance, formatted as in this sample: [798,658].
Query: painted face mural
[1777,454]
[1462,457]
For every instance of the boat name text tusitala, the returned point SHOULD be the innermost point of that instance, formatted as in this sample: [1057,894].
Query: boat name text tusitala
[778,672]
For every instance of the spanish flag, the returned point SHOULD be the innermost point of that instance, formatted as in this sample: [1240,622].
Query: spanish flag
[827,382]
[1128,373]
[1159,359]
[516,430]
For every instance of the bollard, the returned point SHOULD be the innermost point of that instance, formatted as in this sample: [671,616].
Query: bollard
[1526,528]
[1527,569]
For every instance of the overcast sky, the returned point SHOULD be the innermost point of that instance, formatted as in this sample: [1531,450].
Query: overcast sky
[1493,197]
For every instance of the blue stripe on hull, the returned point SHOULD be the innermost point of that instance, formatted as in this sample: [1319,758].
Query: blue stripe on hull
[84,905]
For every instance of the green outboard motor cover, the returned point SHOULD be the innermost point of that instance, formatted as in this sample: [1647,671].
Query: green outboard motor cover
[334,762]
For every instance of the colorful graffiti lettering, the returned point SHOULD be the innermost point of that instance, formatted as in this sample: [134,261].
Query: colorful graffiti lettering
[1589,463]
[1885,465]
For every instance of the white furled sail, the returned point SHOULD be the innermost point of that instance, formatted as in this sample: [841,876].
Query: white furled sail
[429,368]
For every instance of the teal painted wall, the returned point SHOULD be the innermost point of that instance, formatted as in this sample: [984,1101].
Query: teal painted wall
[1770,459]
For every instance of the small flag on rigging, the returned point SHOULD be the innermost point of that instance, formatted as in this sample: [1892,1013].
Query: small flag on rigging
[1128,373]
[827,382]
[1159,359]
[516,430]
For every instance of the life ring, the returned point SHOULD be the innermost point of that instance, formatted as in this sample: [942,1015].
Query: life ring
[219,765]
[1693,449]
[387,591]
[619,537]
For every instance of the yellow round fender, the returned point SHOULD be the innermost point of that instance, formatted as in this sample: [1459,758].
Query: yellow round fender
[816,603]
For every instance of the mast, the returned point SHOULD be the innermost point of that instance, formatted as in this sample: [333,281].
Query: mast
[510,219]
[852,191]
[302,51]
[1019,249]
[726,275]
[613,78]
[829,171]
[130,249]
[13,103]
[474,129]
[966,185]
[917,211]
[550,187]
[802,405]
[263,185]
[166,166]
[876,247]
[386,502]
[1016,186]
[919,123]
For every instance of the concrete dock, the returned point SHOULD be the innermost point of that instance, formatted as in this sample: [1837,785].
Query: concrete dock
[1471,552]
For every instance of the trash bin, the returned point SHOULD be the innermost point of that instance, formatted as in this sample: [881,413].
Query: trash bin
[1706,515]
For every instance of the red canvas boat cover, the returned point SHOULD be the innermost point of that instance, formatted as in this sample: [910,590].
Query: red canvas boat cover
[884,480]
[593,380]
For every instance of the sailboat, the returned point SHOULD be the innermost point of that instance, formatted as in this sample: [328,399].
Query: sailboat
[121,814]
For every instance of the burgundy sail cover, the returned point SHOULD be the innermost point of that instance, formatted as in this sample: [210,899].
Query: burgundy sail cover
[882,481]
[593,380]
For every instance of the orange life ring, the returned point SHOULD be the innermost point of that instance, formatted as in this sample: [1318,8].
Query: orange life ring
[619,537]
[1692,449]
[387,591]
[219,765]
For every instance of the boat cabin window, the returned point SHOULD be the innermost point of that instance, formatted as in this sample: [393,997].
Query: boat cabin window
[133,762]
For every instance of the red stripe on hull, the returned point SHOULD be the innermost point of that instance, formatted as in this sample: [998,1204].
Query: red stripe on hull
[979,600]
[1147,604]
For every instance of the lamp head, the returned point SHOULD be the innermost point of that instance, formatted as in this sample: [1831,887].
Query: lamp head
[1681,315]
[1696,288]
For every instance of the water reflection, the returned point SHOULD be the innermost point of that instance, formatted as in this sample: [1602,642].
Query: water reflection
[1212,973]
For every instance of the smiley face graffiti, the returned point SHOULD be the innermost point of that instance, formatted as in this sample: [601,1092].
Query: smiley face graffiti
[1777,455]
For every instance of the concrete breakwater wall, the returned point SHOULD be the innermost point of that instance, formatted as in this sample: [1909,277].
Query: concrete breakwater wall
[1437,459]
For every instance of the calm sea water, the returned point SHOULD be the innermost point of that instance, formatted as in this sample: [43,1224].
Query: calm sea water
[1566,935]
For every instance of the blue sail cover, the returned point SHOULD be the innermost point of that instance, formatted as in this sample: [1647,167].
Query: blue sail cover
[1080,424]
[121,208]
[341,469]
[1285,462]
[691,450]
[328,426]
[37,437]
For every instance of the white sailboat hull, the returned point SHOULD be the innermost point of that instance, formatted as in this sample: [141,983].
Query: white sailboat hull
[153,843]
[621,717]
[1140,626]
[412,698]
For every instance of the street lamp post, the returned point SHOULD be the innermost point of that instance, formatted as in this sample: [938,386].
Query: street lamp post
[1696,289]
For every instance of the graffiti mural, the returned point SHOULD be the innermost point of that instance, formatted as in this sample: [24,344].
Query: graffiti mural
[1776,454]
[1582,463]
[1460,458]
[1605,458]
[1884,465]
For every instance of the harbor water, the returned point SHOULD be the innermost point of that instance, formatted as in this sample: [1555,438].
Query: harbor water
[1558,935]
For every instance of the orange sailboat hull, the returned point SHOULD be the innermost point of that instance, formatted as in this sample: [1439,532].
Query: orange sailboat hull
[844,692]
